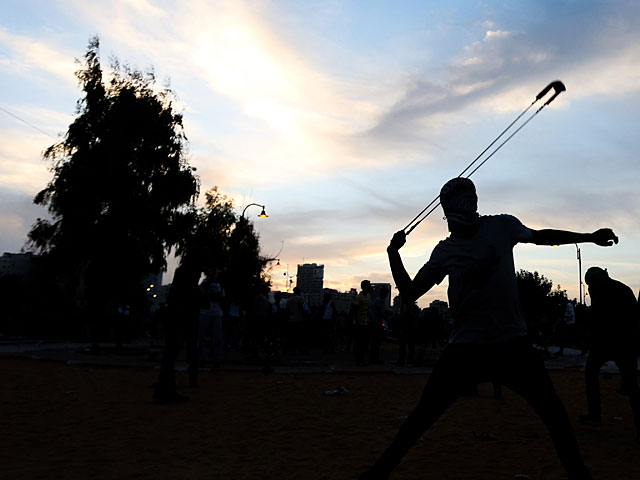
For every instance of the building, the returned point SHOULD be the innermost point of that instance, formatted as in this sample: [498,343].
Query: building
[342,300]
[443,310]
[309,281]
[17,264]
[377,286]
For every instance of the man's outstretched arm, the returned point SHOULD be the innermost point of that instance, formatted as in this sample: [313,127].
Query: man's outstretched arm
[409,289]
[603,237]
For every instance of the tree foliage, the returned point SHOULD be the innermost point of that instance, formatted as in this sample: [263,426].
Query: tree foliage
[120,181]
[245,275]
[205,232]
[541,303]
[223,246]
[122,195]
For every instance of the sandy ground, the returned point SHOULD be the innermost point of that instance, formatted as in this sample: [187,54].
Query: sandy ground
[63,422]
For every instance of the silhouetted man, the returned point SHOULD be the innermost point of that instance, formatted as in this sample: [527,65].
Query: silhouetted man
[489,336]
[613,337]
[184,303]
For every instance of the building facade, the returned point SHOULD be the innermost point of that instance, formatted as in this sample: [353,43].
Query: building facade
[375,288]
[309,281]
[443,310]
[342,300]
[17,264]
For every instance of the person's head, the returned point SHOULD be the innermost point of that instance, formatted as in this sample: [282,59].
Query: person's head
[365,286]
[460,203]
[596,276]
[296,291]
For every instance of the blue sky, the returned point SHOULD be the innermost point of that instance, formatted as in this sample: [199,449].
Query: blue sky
[345,117]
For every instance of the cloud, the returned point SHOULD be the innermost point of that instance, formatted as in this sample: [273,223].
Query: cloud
[17,216]
[21,164]
[599,54]
[28,56]
[233,50]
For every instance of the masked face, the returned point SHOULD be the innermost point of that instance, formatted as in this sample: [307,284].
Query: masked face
[459,202]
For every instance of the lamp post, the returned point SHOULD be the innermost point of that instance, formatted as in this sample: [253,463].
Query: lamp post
[579,256]
[289,278]
[262,214]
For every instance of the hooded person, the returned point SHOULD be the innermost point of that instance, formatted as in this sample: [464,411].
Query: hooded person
[488,339]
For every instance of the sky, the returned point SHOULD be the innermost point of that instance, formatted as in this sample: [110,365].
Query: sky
[344,118]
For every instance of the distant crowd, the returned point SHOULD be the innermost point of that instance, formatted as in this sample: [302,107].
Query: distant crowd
[287,324]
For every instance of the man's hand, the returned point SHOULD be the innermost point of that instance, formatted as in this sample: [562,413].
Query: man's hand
[398,240]
[604,237]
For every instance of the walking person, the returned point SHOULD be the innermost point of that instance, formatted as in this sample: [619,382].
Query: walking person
[613,337]
[489,336]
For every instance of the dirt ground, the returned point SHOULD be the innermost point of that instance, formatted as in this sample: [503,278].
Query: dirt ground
[63,422]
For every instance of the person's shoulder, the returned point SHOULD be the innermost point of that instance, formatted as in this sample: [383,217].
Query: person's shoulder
[502,221]
[623,287]
[499,217]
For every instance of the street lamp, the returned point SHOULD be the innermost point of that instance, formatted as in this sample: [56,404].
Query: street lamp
[262,214]
[277,255]
[579,256]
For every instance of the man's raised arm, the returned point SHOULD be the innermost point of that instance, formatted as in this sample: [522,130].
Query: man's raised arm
[409,289]
[603,237]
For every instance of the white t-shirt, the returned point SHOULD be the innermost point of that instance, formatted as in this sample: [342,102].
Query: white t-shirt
[328,311]
[482,290]
[569,314]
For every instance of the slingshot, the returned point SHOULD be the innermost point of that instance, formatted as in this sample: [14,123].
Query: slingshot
[557,86]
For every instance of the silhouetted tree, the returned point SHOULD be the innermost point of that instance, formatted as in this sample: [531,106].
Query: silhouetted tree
[204,233]
[541,303]
[120,184]
[223,245]
[244,275]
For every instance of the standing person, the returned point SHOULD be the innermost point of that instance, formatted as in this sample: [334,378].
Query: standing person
[328,323]
[182,328]
[231,325]
[258,320]
[489,336]
[565,327]
[432,326]
[278,321]
[210,332]
[295,323]
[614,324]
[407,332]
[361,323]
[378,313]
